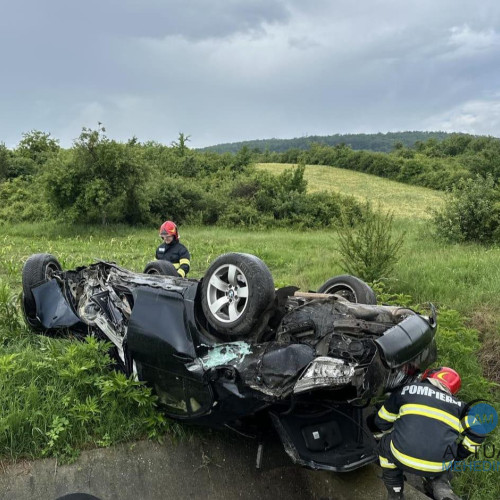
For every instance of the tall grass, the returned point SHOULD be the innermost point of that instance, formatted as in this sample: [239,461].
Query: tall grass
[464,277]
[59,395]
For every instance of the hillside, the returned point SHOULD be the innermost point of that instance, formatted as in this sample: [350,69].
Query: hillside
[373,142]
[404,200]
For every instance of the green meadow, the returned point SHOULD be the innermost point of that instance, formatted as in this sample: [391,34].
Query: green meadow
[465,277]
[404,200]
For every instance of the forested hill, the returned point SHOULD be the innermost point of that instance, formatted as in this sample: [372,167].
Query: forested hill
[372,142]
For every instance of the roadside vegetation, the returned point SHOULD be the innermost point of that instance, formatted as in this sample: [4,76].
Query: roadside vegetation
[105,200]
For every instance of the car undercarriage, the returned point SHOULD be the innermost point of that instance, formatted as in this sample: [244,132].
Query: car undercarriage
[231,351]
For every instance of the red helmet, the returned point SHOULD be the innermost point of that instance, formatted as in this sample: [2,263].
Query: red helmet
[448,376]
[168,227]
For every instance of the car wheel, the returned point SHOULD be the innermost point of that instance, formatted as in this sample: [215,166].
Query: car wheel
[236,291]
[162,267]
[38,267]
[351,288]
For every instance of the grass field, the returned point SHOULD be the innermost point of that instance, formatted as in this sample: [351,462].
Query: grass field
[405,201]
[464,277]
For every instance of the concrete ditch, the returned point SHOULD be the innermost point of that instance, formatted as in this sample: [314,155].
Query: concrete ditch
[214,465]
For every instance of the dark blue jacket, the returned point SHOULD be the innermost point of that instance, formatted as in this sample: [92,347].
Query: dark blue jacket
[429,429]
[177,254]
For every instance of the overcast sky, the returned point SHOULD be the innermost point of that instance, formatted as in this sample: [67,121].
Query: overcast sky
[231,70]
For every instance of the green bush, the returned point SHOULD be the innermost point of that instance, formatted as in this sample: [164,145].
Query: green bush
[178,199]
[238,213]
[99,180]
[20,201]
[471,213]
[58,396]
[283,201]
[368,249]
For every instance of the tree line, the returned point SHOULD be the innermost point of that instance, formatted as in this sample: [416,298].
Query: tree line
[434,164]
[100,180]
[372,142]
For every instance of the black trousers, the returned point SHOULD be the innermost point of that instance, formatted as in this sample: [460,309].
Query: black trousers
[392,475]
[393,472]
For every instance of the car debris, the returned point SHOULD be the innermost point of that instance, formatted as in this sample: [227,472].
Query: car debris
[229,350]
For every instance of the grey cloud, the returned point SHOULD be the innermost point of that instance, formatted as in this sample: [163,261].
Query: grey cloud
[194,19]
[50,44]
[233,70]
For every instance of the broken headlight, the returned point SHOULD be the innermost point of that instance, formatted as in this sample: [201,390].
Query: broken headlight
[324,372]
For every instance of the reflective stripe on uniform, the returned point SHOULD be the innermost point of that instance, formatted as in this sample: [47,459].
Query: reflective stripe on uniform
[429,412]
[386,464]
[419,464]
[185,261]
[176,265]
[470,445]
[385,415]
[181,272]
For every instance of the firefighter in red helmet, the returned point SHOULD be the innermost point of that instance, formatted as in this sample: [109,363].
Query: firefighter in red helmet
[172,249]
[430,429]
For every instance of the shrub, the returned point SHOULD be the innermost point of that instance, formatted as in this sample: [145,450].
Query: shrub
[471,213]
[20,201]
[178,199]
[241,214]
[369,249]
[59,396]
[37,146]
[98,181]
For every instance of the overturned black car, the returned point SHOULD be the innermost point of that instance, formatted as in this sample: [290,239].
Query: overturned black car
[231,351]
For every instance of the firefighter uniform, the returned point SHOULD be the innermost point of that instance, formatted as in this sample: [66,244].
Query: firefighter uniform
[429,432]
[177,254]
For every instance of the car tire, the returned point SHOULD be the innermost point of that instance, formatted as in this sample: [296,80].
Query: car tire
[162,267]
[236,291]
[37,268]
[351,288]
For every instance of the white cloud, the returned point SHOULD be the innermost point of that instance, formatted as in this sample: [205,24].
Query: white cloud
[475,117]
[466,42]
